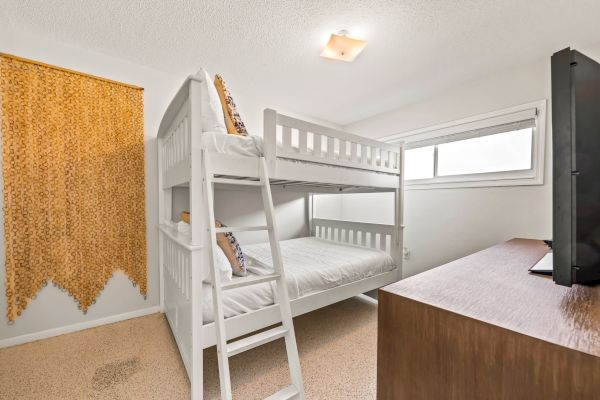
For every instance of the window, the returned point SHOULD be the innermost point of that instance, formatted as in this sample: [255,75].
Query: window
[508,151]
[497,149]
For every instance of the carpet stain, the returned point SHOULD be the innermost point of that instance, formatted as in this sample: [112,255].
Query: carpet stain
[111,374]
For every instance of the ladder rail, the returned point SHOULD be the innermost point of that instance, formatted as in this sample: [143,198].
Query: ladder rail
[286,330]
[282,290]
[224,376]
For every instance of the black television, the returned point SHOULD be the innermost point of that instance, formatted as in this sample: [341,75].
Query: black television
[576,168]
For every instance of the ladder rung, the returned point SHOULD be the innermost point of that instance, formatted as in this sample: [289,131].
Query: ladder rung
[284,394]
[242,182]
[242,228]
[253,341]
[247,281]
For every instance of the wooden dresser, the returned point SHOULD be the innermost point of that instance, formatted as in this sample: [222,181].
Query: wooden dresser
[483,327]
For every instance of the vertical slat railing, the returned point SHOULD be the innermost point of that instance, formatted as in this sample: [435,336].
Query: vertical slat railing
[374,236]
[175,149]
[177,265]
[290,138]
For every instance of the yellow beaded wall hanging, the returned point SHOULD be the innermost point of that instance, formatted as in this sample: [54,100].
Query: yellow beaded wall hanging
[73,181]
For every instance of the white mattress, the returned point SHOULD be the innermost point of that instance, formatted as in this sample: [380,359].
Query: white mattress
[311,265]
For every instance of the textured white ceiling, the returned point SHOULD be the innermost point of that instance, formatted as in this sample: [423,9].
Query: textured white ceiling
[270,49]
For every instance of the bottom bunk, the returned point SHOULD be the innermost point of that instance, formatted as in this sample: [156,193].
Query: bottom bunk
[319,272]
[311,265]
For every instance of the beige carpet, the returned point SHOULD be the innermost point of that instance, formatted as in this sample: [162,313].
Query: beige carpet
[138,359]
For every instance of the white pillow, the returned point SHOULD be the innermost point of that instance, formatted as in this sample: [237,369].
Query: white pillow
[220,260]
[213,119]
[223,267]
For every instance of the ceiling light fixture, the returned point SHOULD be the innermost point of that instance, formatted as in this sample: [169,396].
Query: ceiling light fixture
[342,47]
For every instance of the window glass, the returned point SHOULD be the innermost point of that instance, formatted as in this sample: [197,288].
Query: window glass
[509,151]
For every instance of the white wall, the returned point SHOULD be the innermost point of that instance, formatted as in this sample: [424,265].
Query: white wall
[376,208]
[53,308]
[445,224]
[328,206]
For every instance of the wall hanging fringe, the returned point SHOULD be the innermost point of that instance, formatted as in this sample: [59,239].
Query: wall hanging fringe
[73,173]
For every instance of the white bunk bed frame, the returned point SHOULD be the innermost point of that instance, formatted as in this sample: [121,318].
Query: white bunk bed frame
[310,158]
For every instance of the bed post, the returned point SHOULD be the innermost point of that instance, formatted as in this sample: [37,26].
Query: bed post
[270,139]
[164,215]
[309,213]
[198,237]
[399,217]
[161,282]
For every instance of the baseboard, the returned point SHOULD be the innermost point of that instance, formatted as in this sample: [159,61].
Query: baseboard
[31,337]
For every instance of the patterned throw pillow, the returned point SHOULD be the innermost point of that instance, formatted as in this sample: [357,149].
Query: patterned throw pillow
[232,250]
[233,121]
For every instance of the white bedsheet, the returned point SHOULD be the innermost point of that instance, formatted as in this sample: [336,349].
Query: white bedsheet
[311,265]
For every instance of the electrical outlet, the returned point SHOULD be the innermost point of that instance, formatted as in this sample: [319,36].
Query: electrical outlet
[406,253]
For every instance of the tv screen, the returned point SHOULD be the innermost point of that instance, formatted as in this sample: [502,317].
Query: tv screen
[576,168]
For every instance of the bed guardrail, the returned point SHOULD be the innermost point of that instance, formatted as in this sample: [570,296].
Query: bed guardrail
[375,236]
[177,266]
[176,274]
[292,138]
[284,137]
[175,150]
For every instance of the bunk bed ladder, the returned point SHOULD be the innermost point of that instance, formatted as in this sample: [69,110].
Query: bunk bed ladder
[286,329]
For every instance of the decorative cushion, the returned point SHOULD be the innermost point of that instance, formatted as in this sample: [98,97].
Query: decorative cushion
[213,119]
[185,217]
[232,250]
[233,121]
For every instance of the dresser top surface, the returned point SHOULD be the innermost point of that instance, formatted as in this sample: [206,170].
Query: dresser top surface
[494,286]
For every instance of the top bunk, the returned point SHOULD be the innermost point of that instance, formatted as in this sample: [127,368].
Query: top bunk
[300,155]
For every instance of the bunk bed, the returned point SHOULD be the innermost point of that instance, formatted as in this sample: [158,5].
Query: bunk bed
[300,156]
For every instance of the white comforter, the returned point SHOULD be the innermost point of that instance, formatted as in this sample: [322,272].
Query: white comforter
[311,265]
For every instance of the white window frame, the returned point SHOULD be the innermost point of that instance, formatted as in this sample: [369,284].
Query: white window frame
[478,126]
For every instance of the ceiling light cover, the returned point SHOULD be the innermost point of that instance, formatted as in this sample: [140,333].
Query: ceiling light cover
[343,48]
